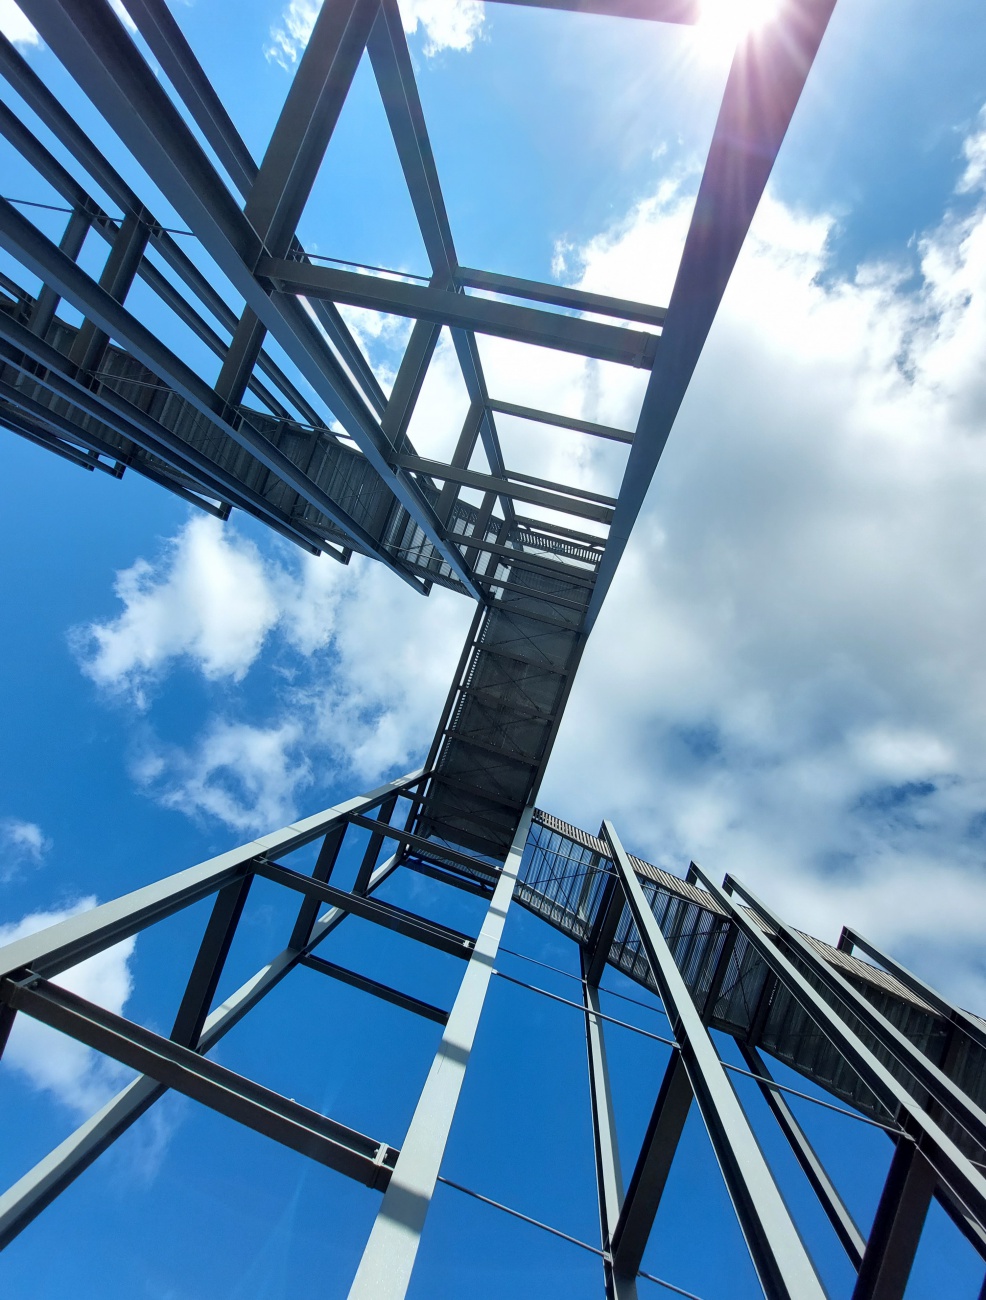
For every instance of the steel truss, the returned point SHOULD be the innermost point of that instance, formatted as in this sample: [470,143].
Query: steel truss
[700,952]
[316,449]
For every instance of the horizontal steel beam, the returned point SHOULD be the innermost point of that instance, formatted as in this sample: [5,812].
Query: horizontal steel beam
[425,846]
[25,1200]
[382,991]
[371,909]
[560,296]
[659,11]
[184,1070]
[484,315]
[560,421]
[551,500]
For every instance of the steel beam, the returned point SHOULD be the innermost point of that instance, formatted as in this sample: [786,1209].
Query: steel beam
[370,909]
[659,11]
[559,296]
[953,1166]
[54,949]
[99,54]
[385,1268]
[762,91]
[391,60]
[444,307]
[382,991]
[953,1100]
[505,487]
[897,1226]
[22,1202]
[249,1103]
[971,1026]
[209,962]
[825,1191]
[560,421]
[779,1255]
[26,243]
[609,1178]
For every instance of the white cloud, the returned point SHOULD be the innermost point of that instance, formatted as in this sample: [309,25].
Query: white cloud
[362,661]
[245,776]
[209,602]
[76,1075]
[787,682]
[20,842]
[446,24]
[15,26]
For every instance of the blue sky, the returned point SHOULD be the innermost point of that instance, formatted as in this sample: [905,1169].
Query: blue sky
[786,683]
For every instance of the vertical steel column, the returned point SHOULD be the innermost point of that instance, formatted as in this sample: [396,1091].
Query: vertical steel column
[897,1225]
[388,1259]
[609,1177]
[779,1255]
[373,847]
[43,311]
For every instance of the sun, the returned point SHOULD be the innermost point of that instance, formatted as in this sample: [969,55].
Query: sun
[722,24]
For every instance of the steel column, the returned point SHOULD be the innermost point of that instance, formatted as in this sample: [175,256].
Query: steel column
[779,1255]
[897,1226]
[385,1269]
[609,1178]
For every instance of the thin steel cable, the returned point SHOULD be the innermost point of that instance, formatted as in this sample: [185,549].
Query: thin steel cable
[557,1232]
[623,1024]
[736,1069]
[611,993]
[669,1286]
[526,1218]
[774,1086]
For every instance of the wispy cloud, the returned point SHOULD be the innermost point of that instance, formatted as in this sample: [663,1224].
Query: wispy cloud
[21,843]
[446,25]
[77,1076]
[15,26]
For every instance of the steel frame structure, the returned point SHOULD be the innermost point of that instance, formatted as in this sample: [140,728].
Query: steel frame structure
[316,449]
[902,1056]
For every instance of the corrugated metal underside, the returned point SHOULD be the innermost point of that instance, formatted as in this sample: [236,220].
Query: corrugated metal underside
[505,707]
[562,879]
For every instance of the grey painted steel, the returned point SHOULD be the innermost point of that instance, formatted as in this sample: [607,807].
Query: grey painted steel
[953,1166]
[828,1197]
[897,1225]
[444,307]
[26,1198]
[209,962]
[249,1103]
[383,991]
[954,1100]
[560,295]
[388,1259]
[660,11]
[50,951]
[969,1025]
[779,1255]
[609,1176]
[561,421]
[99,54]
[762,92]
[386,915]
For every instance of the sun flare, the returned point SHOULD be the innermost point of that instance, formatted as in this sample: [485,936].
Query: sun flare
[722,24]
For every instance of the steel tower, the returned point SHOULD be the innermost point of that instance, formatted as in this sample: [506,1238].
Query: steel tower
[336,473]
